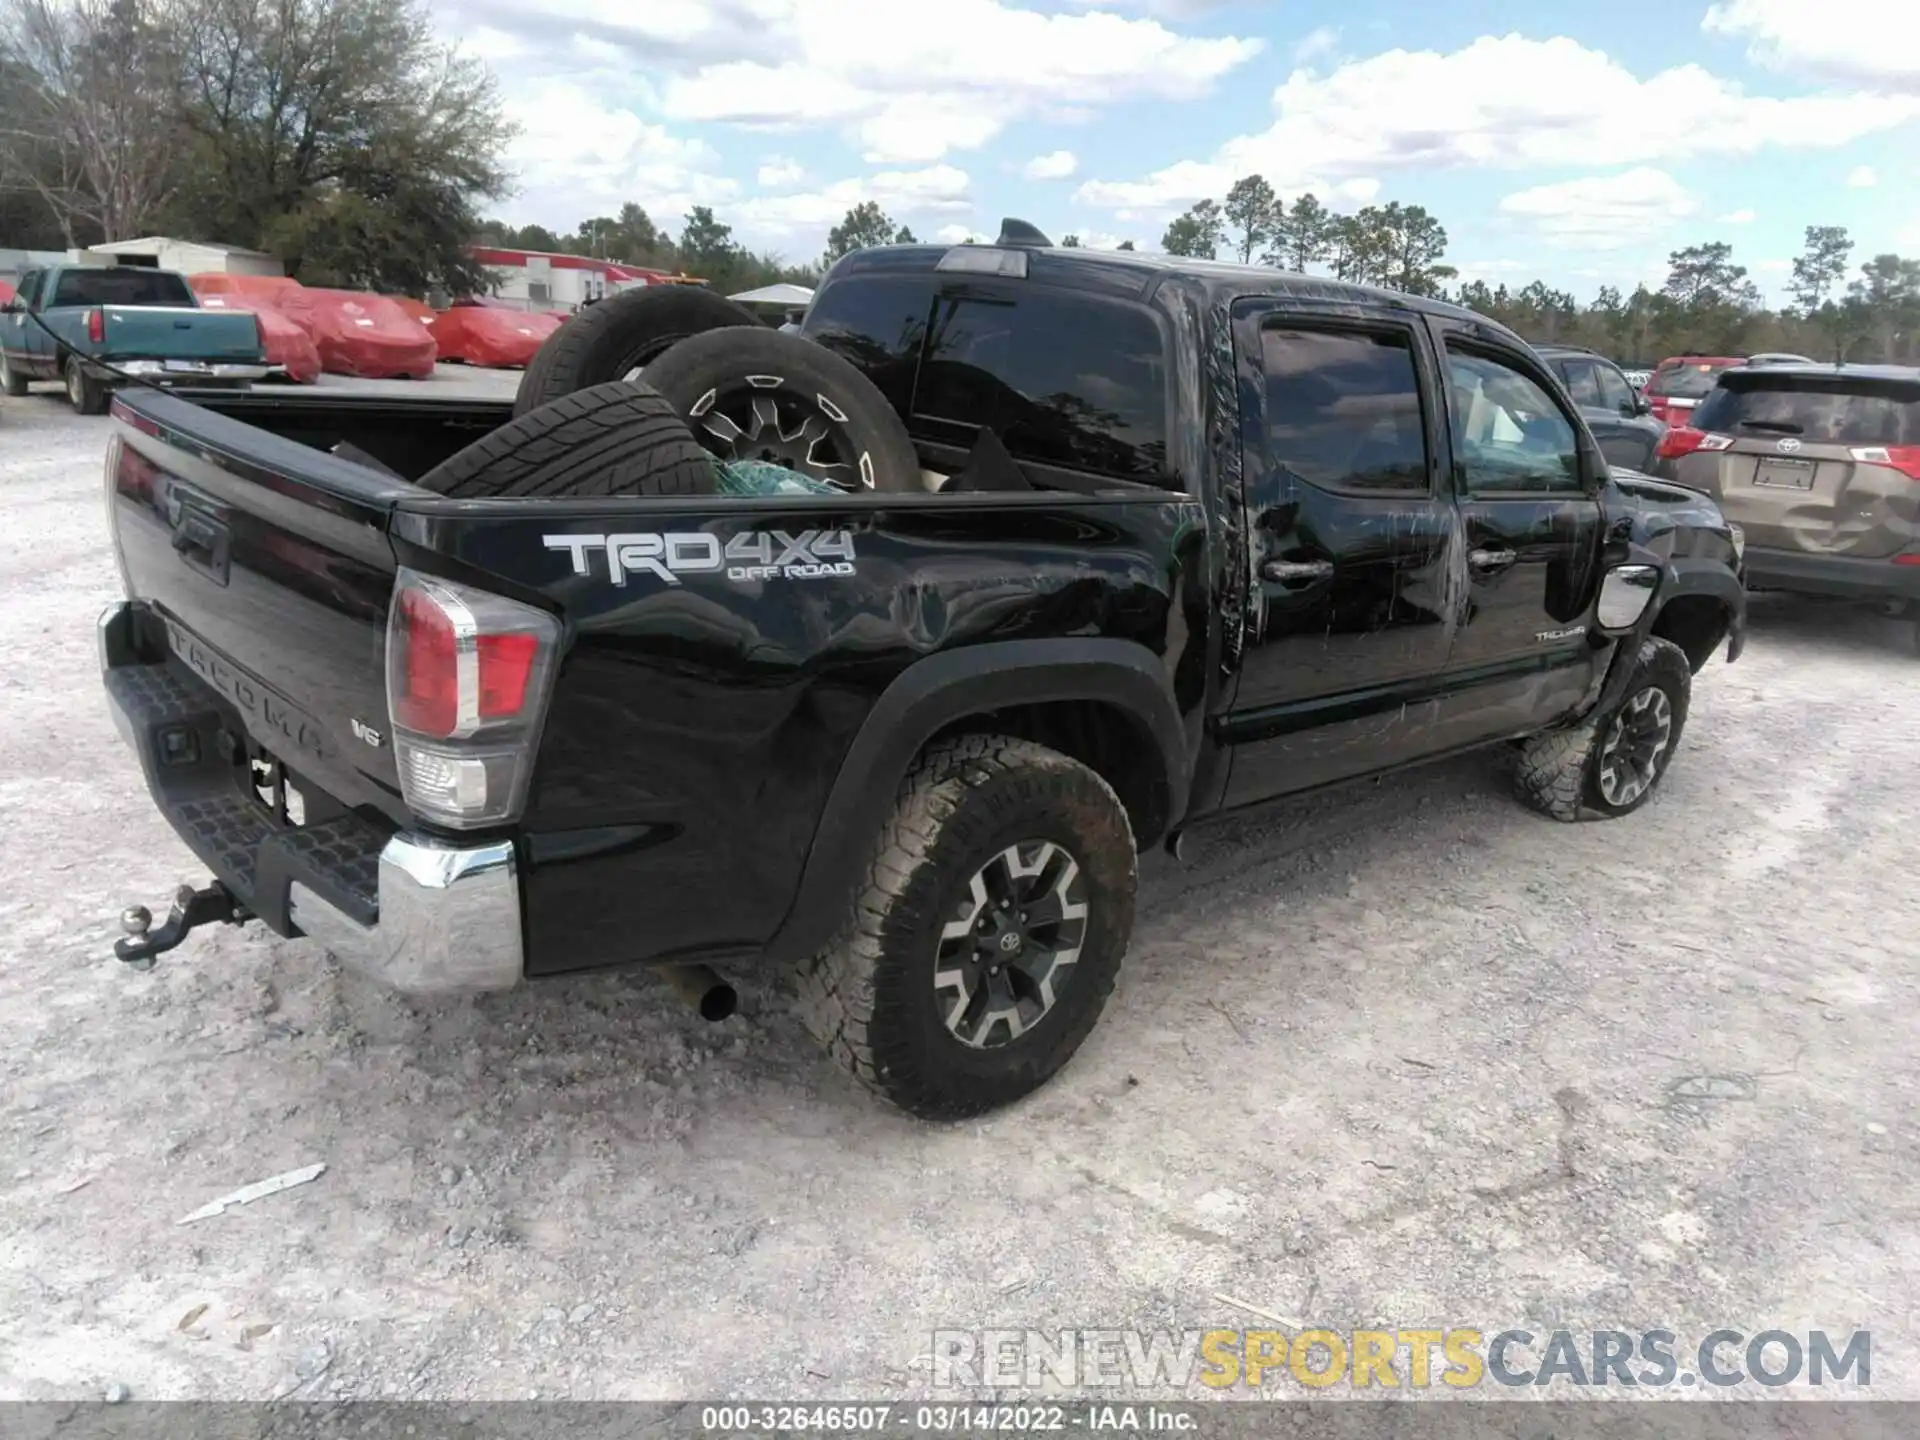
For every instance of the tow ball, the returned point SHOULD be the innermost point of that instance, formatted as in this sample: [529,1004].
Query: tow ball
[140,945]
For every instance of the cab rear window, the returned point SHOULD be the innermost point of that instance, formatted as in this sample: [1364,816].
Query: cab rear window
[1837,411]
[1062,379]
[120,287]
[1684,382]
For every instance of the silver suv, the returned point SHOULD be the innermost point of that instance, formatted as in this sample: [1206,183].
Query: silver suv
[1819,465]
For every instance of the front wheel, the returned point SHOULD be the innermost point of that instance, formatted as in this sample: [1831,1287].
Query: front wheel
[988,932]
[1610,764]
[12,382]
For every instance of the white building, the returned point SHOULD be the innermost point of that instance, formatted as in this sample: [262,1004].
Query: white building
[191,257]
[538,280]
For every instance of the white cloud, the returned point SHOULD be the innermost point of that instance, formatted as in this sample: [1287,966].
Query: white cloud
[939,190]
[1171,9]
[1772,267]
[1864,42]
[1318,43]
[576,157]
[1495,270]
[903,90]
[1861,177]
[1501,102]
[1097,239]
[1055,166]
[1602,212]
[958,235]
[778,173]
[1739,217]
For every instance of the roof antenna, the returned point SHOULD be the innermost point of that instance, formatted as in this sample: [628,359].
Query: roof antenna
[1019,232]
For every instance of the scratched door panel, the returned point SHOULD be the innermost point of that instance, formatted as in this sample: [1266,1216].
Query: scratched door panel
[1354,551]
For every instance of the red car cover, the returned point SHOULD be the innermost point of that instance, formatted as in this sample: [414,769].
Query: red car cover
[268,288]
[479,333]
[282,341]
[359,333]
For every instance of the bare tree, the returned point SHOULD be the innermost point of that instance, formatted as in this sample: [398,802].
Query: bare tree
[91,128]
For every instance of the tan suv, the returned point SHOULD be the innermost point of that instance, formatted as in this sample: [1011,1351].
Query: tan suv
[1819,466]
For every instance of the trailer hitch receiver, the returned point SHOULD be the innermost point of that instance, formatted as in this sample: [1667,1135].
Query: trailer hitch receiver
[140,944]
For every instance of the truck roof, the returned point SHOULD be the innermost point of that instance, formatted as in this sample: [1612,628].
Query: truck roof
[1742,375]
[1134,275]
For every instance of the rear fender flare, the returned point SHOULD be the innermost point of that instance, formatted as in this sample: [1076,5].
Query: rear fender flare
[936,693]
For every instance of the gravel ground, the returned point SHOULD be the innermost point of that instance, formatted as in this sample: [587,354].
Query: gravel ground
[1404,1054]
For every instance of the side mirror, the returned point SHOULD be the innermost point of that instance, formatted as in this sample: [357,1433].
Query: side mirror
[12,307]
[1642,405]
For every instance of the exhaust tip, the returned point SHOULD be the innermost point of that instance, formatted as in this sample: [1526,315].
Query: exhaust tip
[718,1003]
[704,990]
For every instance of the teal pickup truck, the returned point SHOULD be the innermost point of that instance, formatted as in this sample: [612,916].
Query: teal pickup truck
[67,319]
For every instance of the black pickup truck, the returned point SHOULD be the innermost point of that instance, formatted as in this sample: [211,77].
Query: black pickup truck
[1271,533]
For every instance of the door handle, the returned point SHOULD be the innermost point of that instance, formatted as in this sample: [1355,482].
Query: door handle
[1297,572]
[1489,561]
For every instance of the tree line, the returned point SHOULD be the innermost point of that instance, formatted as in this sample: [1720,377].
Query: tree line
[1707,304]
[339,135]
[1398,246]
[705,247]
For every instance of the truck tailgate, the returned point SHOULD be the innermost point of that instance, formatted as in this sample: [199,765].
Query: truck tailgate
[170,332]
[271,577]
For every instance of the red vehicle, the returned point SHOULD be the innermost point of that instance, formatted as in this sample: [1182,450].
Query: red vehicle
[486,332]
[361,334]
[1681,382]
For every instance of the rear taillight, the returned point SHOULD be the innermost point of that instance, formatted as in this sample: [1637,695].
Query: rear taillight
[467,681]
[97,326]
[1684,440]
[1904,458]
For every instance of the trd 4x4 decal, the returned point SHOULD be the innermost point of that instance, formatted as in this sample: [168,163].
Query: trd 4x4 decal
[751,555]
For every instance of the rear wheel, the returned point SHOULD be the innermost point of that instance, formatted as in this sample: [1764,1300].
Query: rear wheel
[617,439]
[987,935]
[617,338]
[86,394]
[11,380]
[1610,765]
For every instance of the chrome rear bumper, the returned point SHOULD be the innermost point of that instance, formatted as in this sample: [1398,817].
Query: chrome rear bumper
[449,919]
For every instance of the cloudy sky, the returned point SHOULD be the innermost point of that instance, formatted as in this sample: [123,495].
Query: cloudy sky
[1577,142]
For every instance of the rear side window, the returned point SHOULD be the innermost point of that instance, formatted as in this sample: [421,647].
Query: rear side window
[1615,393]
[1343,409]
[1826,412]
[120,287]
[878,325]
[1582,384]
[1062,379]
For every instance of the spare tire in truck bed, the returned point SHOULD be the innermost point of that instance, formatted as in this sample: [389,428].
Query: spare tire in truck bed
[616,439]
[619,335]
[761,395]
